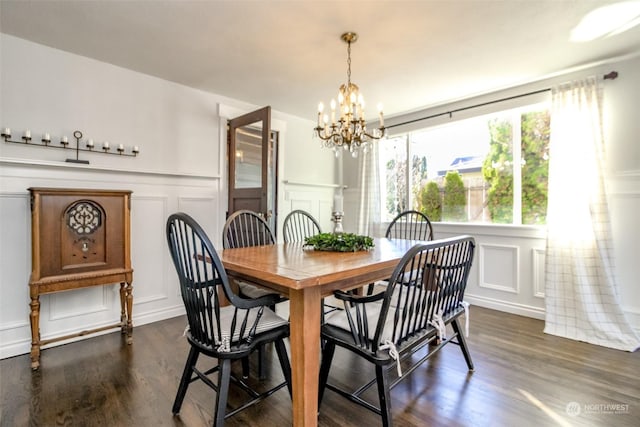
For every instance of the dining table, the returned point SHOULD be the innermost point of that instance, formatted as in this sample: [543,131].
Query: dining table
[305,276]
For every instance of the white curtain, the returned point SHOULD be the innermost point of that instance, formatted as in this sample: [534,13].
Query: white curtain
[581,296]
[368,215]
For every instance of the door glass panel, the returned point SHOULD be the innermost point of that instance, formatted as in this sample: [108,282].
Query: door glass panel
[272,178]
[248,156]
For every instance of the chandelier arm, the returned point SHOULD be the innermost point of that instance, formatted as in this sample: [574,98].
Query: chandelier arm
[325,138]
[372,136]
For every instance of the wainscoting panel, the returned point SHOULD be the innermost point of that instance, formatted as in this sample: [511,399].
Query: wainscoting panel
[625,205]
[148,246]
[317,200]
[80,302]
[305,205]
[205,210]
[15,267]
[500,278]
[537,261]
[505,278]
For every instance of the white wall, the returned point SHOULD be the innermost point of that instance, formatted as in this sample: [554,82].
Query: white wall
[182,166]
[508,273]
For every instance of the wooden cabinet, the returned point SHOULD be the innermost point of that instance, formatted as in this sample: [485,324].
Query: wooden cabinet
[79,238]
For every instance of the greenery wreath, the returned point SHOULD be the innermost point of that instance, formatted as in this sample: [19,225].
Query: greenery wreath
[339,242]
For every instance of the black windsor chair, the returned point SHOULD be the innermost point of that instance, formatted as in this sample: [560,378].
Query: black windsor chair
[245,228]
[226,333]
[386,335]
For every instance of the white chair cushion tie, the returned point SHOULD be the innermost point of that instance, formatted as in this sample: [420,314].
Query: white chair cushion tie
[438,323]
[465,305]
[393,353]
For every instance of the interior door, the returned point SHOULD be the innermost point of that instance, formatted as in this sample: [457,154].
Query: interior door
[252,153]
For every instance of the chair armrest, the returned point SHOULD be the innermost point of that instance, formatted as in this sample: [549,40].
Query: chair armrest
[247,303]
[358,299]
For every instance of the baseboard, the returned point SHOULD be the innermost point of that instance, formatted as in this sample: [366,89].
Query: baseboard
[23,346]
[632,315]
[508,307]
[156,316]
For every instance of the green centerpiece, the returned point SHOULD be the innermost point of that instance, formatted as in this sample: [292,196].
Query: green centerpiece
[339,242]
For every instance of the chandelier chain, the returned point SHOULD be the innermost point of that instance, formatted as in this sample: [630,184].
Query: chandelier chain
[348,63]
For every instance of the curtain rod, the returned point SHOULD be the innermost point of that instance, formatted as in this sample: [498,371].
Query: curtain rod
[609,76]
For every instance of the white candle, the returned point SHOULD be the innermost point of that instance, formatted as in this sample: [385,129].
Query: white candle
[64,139]
[121,147]
[381,115]
[27,133]
[105,145]
[90,143]
[320,109]
[337,203]
[135,149]
[7,131]
[46,137]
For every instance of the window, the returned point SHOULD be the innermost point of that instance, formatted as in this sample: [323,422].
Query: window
[486,169]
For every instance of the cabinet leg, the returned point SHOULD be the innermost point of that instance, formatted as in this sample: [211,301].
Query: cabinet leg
[34,317]
[123,313]
[126,305]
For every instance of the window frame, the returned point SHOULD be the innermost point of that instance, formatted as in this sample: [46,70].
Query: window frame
[514,113]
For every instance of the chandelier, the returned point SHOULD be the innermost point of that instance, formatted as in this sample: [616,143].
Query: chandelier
[349,131]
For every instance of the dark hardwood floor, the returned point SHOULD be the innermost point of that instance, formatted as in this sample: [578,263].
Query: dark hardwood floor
[522,378]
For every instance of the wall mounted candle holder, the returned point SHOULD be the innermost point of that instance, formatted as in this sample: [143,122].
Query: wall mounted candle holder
[88,145]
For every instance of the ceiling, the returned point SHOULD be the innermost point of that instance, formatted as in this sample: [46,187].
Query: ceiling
[288,54]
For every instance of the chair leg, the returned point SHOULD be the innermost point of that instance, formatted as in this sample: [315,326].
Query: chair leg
[245,367]
[261,365]
[463,343]
[327,356]
[224,378]
[370,288]
[384,395]
[186,379]
[281,350]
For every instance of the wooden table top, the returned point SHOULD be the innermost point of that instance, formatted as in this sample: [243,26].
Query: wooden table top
[290,266]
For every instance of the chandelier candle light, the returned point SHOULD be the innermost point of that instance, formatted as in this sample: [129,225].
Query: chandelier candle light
[349,131]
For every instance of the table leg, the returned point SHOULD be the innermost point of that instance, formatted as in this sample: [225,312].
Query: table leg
[305,305]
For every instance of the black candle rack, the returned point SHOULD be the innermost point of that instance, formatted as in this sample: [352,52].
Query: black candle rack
[64,144]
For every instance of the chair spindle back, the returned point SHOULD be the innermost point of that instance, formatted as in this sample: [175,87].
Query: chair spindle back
[245,228]
[410,225]
[298,225]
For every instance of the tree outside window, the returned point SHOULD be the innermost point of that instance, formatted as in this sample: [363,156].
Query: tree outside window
[485,169]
